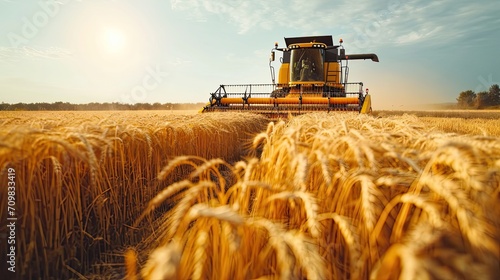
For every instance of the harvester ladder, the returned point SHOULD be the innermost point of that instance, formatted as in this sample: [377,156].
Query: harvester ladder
[344,73]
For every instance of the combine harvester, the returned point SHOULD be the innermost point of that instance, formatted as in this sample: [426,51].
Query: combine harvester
[312,77]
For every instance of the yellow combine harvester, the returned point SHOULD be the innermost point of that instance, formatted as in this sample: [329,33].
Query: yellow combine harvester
[312,77]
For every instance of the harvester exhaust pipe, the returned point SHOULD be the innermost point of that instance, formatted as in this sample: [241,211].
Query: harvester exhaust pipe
[363,56]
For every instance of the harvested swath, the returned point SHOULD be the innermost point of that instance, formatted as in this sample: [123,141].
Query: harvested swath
[83,178]
[372,197]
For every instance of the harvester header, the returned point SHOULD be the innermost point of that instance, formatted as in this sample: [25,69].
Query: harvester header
[313,76]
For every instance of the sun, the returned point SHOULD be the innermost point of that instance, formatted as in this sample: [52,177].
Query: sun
[114,41]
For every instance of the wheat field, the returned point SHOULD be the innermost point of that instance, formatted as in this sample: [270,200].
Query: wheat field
[318,196]
[83,178]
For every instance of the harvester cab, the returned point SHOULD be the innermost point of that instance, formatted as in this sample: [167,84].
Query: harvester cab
[313,76]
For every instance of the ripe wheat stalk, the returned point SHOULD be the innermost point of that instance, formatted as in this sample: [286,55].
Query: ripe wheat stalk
[326,196]
[358,196]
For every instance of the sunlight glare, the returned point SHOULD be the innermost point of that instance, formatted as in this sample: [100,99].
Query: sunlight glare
[114,41]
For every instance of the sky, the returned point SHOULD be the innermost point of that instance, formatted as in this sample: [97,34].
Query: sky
[127,51]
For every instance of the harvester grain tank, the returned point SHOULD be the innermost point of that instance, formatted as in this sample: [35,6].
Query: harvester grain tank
[313,76]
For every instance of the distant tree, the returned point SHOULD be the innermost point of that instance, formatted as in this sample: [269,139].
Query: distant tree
[32,106]
[94,106]
[4,106]
[19,107]
[156,106]
[482,100]
[494,95]
[142,106]
[58,106]
[466,99]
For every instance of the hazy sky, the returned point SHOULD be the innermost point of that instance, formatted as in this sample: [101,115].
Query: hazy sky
[181,50]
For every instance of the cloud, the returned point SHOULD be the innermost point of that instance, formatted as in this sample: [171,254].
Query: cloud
[363,22]
[433,22]
[312,15]
[176,62]
[245,15]
[22,53]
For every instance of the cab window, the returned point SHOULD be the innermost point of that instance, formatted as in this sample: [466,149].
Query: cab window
[307,65]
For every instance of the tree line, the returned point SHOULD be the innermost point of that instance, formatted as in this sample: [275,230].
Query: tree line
[94,106]
[483,99]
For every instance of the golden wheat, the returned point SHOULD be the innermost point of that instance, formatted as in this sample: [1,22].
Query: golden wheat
[326,196]
[83,178]
[349,197]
